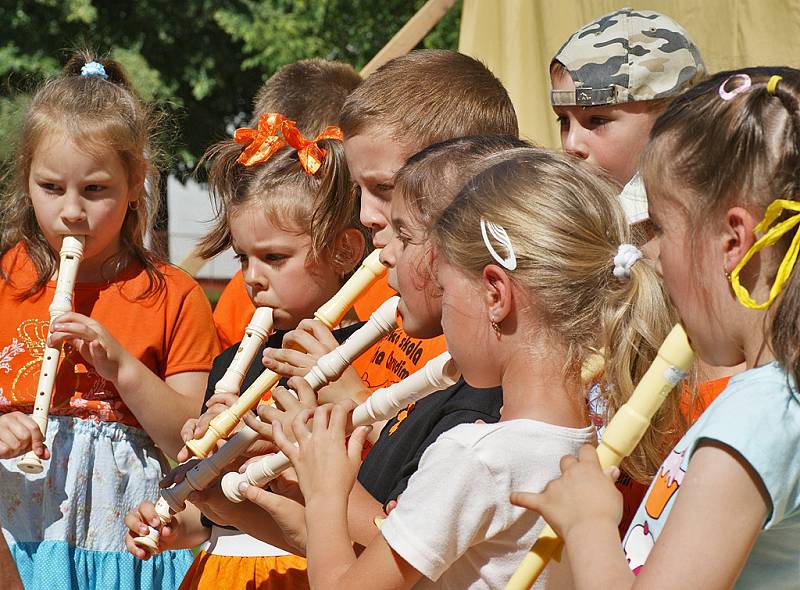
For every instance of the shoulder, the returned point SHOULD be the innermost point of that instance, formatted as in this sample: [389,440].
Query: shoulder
[178,279]
[18,266]
[757,400]
[758,417]
[529,438]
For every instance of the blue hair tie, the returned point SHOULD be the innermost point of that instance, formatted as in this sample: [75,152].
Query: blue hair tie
[93,68]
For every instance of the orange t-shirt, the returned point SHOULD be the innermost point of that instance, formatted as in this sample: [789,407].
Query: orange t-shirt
[170,331]
[233,311]
[397,356]
[707,392]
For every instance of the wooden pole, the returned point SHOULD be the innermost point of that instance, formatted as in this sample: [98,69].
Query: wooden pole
[410,35]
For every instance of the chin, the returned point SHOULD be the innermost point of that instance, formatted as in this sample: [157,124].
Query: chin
[419,329]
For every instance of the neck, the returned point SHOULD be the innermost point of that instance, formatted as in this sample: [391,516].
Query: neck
[534,387]
[101,270]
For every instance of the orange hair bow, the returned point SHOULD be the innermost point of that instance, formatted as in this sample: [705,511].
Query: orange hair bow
[261,142]
[308,152]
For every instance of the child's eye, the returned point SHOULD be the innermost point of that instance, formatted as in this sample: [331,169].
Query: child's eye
[563,121]
[600,121]
[50,187]
[94,188]
[274,257]
[384,187]
[240,258]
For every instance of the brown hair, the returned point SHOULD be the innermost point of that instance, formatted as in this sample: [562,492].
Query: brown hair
[99,115]
[310,91]
[744,151]
[320,205]
[429,96]
[565,226]
[431,178]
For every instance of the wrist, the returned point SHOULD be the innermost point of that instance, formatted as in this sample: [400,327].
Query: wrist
[591,528]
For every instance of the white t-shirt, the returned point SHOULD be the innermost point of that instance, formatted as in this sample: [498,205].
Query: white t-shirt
[454,523]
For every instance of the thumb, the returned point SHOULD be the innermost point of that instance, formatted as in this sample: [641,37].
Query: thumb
[528,500]
[261,498]
[613,472]
[355,444]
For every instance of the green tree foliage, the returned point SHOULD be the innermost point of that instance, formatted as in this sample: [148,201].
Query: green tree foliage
[201,60]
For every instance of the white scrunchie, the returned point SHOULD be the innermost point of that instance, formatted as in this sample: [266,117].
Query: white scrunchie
[627,255]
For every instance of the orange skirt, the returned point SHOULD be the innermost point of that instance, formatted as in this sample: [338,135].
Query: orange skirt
[211,572]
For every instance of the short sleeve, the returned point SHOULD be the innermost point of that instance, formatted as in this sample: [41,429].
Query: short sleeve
[437,521]
[192,343]
[447,422]
[761,422]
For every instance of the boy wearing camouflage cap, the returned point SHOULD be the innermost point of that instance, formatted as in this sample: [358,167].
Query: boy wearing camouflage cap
[611,80]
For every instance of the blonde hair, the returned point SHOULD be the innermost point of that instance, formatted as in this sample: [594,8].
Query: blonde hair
[99,115]
[565,226]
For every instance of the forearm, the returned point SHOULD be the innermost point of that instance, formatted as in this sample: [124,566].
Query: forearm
[161,410]
[330,551]
[254,521]
[596,557]
[362,509]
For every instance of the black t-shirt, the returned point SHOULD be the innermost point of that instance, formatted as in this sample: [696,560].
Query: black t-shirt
[395,456]
[223,361]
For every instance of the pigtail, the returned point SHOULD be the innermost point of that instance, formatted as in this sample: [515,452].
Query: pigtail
[636,319]
[226,181]
[785,320]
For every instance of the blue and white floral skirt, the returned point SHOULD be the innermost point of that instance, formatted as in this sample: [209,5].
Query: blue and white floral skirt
[65,526]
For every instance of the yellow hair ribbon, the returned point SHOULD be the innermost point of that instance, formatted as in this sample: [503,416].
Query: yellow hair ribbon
[771,235]
[773,84]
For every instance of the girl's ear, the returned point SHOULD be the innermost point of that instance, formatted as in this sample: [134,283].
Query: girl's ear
[737,236]
[497,292]
[348,250]
[136,182]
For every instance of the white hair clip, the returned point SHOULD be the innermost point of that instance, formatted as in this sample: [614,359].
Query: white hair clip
[498,233]
[627,255]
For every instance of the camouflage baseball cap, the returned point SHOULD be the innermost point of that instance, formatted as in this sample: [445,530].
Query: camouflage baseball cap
[625,56]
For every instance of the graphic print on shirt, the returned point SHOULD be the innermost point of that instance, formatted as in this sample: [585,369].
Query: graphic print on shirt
[393,359]
[669,479]
[638,545]
[79,390]
[640,538]
[402,416]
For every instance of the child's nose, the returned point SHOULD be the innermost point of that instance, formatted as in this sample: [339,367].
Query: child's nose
[72,210]
[575,144]
[254,278]
[387,256]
